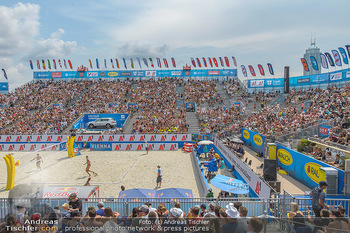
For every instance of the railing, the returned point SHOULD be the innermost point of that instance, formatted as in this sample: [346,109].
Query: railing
[202,185]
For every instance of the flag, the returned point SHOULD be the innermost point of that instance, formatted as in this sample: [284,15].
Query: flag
[234,61]
[43,64]
[145,61]
[105,63]
[159,63]
[59,62]
[210,62]
[5,75]
[165,63]
[314,62]
[336,56]
[138,61]
[97,65]
[330,59]
[193,62]
[31,64]
[124,63]
[54,64]
[112,63]
[252,71]
[204,62]
[244,71]
[151,61]
[221,62]
[173,61]
[270,68]
[227,61]
[343,55]
[132,63]
[117,63]
[348,49]
[324,61]
[198,62]
[65,63]
[215,62]
[90,63]
[70,64]
[38,64]
[48,64]
[304,62]
[261,69]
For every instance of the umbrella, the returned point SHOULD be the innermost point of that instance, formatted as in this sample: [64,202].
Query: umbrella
[230,184]
[174,193]
[137,193]
[205,142]
[236,140]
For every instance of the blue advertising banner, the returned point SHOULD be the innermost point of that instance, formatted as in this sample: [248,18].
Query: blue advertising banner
[323,130]
[253,140]
[119,118]
[4,87]
[101,146]
[126,73]
[200,137]
[304,168]
[191,106]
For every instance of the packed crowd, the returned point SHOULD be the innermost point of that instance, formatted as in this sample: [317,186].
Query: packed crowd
[144,219]
[201,92]
[157,111]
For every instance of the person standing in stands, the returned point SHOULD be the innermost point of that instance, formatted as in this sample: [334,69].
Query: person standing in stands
[318,197]
[75,204]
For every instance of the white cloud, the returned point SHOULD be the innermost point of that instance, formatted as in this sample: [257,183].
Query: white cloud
[18,27]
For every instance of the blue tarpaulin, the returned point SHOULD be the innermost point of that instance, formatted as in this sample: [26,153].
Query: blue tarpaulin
[229,184]
[174,193]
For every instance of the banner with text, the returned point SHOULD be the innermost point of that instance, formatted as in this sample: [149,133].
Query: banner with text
[253,140]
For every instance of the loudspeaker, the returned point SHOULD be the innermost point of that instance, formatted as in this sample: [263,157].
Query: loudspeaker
[270,170]
[286,79]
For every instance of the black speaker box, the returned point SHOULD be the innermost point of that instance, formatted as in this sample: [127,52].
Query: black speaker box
[270,170]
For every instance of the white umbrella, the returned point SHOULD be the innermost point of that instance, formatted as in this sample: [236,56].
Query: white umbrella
[205,142]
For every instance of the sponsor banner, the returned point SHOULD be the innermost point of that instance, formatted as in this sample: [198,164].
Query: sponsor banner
[255,183]
[17,139]
[30,147]
[190,106]
[304,168]
[253,140]
[4,86]
[216,72]
[137,73]
[323,130]
[256,83]
[303,80]
[264,83]
[57,74]
[101,146]
[348,74]
[142,146]
[237,105]
[176,73]
[119,118]
[336,76]
[200,137]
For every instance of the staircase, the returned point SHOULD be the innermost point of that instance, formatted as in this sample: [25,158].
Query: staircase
[180,103]
[227,101]
[130,123]
[192,121]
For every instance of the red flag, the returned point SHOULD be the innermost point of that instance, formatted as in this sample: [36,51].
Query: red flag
[70,64]
[59,62]
[165,63]
[193,62]
[38,64]
[252,71]
[261,69]
[234,61]
[211,63]
[304,62]
[215,62]
[54,63]
[173,61]
[227,61]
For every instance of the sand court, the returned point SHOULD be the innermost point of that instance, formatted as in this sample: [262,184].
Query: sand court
[133,169]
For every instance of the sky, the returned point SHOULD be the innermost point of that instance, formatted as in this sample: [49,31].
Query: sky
[254,32]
